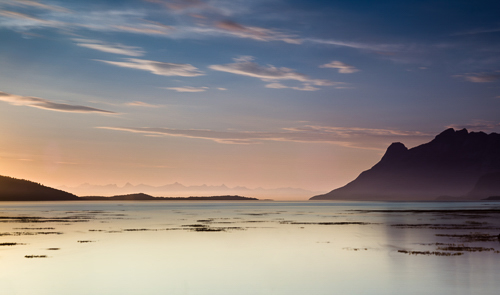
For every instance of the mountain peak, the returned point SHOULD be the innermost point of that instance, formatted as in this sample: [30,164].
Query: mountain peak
[451,133]
[450,165]
[394,151]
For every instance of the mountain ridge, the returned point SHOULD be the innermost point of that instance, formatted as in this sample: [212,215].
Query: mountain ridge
[449,165]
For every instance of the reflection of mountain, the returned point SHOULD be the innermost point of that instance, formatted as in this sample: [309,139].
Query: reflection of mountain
[449,165]
[179,190]
[12,189]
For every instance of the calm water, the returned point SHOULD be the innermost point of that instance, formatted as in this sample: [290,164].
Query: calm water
[247,248]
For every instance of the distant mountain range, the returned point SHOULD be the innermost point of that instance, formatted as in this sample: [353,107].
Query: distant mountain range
[145,197]
[455,165]
[13,189]
[179,190]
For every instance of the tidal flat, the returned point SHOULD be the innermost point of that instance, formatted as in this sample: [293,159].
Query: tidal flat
[249,248]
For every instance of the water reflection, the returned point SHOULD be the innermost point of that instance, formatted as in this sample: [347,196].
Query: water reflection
[248,248]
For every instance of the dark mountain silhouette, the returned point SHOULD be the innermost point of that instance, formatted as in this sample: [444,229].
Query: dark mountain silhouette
[450,165]
[13,189]
[487,186]
[144,197]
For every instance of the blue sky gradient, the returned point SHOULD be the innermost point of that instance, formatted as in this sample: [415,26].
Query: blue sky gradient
[259,93]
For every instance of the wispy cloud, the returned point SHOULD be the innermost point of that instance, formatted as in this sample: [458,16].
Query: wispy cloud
[255,33]
[115,48]
[403,53]
[36,5]
[128,21]
[205,9]
[26,160]
[305,87]
[343,67]
[358,45]
[187,89]
[477,31]
[211,20]
[276,85]
[157,68]
[68,163]
[47,104]
[21,20]
[141,104]
[135,21]
[356,137]
[141,30]
[245,67]
[179,4]
[484,77]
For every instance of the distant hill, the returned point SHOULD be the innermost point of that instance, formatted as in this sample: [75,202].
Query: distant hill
[450,165]
[129,197]
[12,189]
[216,198]
[144,197]
[179,190]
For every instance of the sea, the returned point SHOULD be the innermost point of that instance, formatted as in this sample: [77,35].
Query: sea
[249,247]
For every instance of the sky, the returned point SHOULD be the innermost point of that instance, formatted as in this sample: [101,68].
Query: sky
[255,93]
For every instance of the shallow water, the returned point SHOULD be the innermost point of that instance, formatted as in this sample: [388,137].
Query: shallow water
[248,248]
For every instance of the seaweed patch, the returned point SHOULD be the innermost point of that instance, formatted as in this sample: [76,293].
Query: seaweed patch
[326,223]
[11,244]
[355,249]
[464,248]
[430,253]
[472,237]
[468,225]
[31,233]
